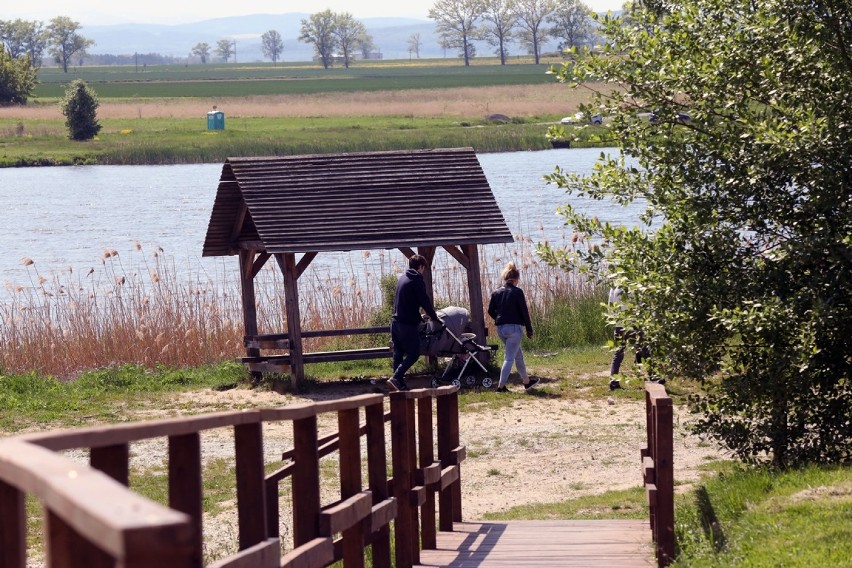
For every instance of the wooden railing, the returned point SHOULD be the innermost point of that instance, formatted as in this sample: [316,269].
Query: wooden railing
[258,362]
[94,520]
[657,471]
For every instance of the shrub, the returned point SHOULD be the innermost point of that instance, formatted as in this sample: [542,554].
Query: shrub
[80,107]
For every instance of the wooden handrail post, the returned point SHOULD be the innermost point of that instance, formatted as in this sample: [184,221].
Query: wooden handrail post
[428,531]
[449,499]
[186,493]
[13,523]
[67,549]
[350,482]
[658,472]
[664,480]
[377,479]
[455,441]
[306,481]
[251,504]
[402,441]
[113,461]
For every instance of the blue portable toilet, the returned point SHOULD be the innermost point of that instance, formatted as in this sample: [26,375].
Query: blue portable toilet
[215,120]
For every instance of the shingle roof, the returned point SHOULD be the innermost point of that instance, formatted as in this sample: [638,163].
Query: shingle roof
[356,201]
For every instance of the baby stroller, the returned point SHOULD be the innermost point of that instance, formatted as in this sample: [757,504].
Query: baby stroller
[450,337]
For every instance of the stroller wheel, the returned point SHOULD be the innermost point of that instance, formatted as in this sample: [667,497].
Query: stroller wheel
[469,380]
[456,383]
[487,382]
[435,383]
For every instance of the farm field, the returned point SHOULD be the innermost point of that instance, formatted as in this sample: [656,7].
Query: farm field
[291,109]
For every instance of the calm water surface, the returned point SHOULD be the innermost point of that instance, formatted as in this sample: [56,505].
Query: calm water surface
[66,217]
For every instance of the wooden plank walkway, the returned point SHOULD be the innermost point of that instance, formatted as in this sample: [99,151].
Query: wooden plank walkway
[554,544]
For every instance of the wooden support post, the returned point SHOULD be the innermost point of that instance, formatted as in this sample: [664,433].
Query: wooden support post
[13,527]
[401,440]
[350,482]
[474,287]
[377,479]
[287,263]
[113,461]
[249,307]
[664,480]
[429,254]
[306,481]
[251,503]
[185,486]
[427,458]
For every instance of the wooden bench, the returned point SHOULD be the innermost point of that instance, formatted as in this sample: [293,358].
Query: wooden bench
[281,362]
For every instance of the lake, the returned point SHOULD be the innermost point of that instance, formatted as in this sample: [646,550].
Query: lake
[66,217]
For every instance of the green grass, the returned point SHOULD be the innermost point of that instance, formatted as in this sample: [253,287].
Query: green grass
[100,396]
[292,79]
[175,141]
[266,79]
[627,504]
[755,518]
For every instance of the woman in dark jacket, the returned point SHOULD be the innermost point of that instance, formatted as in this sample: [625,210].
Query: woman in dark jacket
[508,308]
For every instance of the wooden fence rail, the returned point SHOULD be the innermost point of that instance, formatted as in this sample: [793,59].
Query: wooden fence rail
[657,471]
[94,520]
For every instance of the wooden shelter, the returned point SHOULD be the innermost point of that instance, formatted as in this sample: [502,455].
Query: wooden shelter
[280,207]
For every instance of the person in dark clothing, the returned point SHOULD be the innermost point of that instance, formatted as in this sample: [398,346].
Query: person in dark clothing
[621,337]
[410,296]
[508,308]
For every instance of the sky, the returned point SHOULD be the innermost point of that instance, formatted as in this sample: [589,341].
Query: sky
[104,12]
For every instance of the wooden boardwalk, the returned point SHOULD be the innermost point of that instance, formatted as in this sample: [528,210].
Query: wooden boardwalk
[551,544]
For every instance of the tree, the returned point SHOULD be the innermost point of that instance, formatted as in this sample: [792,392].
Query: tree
[741,277]
[531,17]
[455,22]
[80,107]
[17,78]
[501,20]
[572,23]
[272,45]
[318,29]
[64,42]
[349,33]
[225,49]
[366,45]
[23,37]
[414,44]
[202,51]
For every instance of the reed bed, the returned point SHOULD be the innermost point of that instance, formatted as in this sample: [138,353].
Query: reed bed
[137,308]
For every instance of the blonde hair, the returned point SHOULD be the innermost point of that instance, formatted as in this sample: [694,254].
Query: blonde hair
[510,272]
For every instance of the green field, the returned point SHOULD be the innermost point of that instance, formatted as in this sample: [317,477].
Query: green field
[236,80]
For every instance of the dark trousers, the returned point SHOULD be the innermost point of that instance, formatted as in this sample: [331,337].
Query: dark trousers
[406,347]
[642,351]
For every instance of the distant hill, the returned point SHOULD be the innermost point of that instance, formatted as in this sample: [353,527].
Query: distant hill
[389,34]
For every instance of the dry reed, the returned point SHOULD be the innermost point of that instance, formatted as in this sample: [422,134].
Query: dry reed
[145,311]
[512,100]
